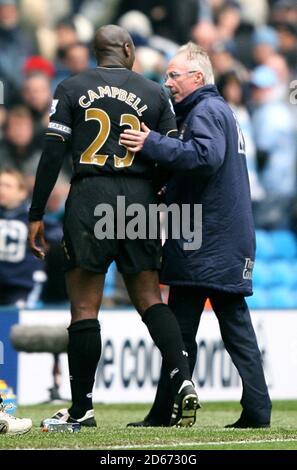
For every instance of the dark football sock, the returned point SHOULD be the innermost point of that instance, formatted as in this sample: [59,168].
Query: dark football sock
[84,350]
[166,334]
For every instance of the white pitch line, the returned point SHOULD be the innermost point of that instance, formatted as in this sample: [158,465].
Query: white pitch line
[200,444]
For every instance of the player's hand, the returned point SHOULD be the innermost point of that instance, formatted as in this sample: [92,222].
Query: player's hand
[36,239]
[134,140]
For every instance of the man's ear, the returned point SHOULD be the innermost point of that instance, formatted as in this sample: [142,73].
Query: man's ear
[199,78]
[127,49]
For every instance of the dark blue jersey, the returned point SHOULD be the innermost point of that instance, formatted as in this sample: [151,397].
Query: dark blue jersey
[17,263]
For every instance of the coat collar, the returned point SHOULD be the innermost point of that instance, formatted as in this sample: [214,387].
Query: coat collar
[185,106]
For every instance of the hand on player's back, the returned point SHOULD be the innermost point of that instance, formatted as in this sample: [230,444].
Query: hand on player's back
[134,140]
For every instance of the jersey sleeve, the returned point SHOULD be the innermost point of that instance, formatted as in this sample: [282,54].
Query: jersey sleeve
[60,124]
[167,121]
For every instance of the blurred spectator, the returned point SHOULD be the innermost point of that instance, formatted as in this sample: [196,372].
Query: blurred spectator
[16,46]
[230,87]
[140,29]
[287,35]
[18,149]
[284,11]
[37,96]
[96,12]
[39,64]
[172,19]
[138,25]
[255,13]
[77,58]
[265,43]
[275,137]
[150,63]
[223,61]
[66,34]
[227,20]
[278,63]
[205,35]
[44,12]
[20,271]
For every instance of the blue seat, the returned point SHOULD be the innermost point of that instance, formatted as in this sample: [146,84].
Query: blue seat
[282,297]
[262,276]
[264,247]
[283,273]
[284,244]
[110,281]
[259,299]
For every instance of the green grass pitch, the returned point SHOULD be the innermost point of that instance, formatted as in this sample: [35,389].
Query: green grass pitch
[208,432]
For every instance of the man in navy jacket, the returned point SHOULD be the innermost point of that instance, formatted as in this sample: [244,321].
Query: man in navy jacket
[209,168]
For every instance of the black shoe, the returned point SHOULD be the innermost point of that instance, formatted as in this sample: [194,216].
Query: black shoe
[147,423]
[244,423]
[185,406]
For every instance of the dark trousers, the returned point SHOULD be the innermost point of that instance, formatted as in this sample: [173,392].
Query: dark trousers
[239,339]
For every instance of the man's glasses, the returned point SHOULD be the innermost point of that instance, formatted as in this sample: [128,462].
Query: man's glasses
[175,75]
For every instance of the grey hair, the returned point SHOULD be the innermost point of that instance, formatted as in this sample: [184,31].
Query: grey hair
[198,58]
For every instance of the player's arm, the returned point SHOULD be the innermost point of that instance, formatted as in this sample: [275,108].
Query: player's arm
[50,164]
[205,150]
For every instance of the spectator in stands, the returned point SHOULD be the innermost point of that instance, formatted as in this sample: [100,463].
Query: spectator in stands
[150,63]
[278,63]
[18,149]
[274,132]
[20,271]
[230,87]
[66,36]
[284,11]
[37,96]
[224,61]
[16,46]
[227,19]
[39,64]
[170,18]
[205,34]
[77,58]
[265,43]
[275,137]
[287,35]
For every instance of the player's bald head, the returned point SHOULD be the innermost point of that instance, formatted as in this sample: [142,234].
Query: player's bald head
[114,44]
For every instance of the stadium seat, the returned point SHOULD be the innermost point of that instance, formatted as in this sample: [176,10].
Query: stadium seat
[264,248]
[262,275]
[282,297]
[110,281]
[284,244]
[283,273]
[259,299]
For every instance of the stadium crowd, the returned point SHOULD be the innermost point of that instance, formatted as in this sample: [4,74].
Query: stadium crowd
[253,49]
